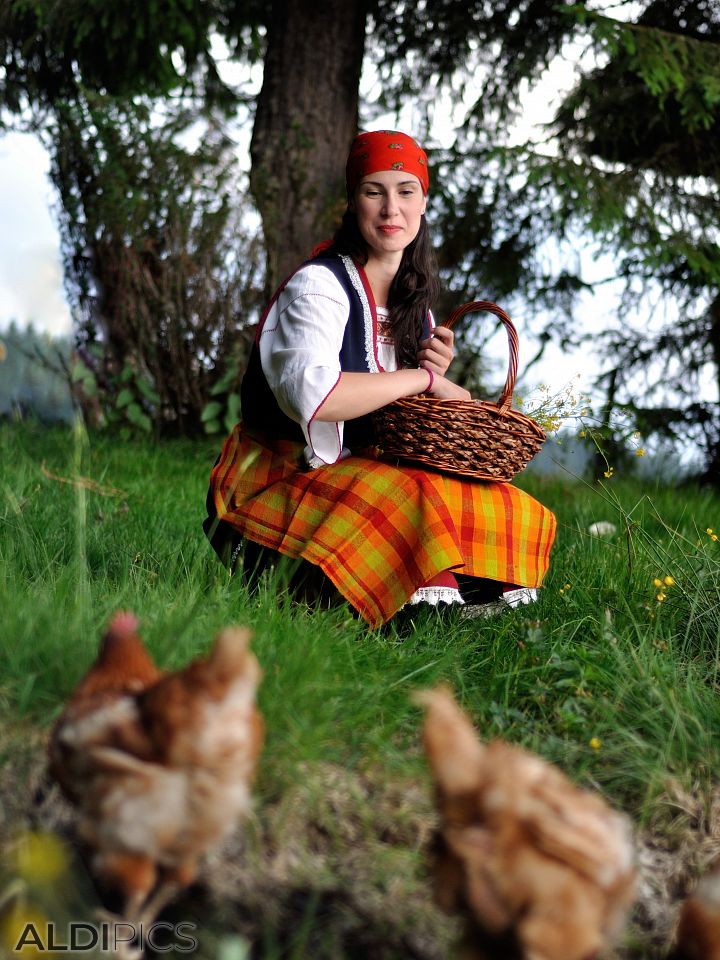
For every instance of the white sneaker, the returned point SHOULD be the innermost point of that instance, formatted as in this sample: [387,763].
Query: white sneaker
[476,611]
[520,597]
[508,601]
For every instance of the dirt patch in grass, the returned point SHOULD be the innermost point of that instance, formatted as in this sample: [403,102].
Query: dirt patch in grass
[335,868]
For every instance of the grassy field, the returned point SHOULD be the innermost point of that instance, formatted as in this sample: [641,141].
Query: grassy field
[602,677]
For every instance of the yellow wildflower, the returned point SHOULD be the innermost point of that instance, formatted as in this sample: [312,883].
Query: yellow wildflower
[709,531]
[609,472]
[660,597]
[40,858]
[657,582]
[595,743]
[669,581]
[583,433]
[640,452]
[714,537]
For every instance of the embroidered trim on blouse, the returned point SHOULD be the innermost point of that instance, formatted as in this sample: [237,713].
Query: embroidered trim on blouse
[357,283]
[315,462]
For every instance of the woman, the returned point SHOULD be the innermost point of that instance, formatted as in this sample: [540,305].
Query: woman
[349,332]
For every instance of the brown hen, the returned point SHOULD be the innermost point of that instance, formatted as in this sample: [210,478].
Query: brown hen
[540,869]
[158,765]
[698,933]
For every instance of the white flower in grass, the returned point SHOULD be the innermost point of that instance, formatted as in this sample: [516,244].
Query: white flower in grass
[603,528]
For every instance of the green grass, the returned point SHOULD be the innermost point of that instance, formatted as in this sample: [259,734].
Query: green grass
[601,658]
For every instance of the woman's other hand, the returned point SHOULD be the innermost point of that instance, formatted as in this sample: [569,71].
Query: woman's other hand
[436,352]
[444,389]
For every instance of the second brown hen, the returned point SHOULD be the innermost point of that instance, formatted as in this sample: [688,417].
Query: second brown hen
[698,933]
[540,869]
[158,766]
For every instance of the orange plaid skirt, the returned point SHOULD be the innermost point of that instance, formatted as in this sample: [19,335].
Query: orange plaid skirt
[379,531]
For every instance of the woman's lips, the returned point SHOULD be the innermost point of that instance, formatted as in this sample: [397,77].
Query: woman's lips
[388,229]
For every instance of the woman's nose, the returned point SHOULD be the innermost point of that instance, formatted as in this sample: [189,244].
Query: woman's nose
[390,206]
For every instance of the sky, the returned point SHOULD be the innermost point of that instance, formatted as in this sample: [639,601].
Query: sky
[30,264]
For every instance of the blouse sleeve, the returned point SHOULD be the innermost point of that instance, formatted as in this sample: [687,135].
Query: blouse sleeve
[300,354]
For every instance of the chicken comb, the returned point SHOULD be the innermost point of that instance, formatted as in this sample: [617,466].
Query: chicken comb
[123,623]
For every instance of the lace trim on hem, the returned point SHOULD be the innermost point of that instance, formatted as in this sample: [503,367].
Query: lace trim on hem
[435,595]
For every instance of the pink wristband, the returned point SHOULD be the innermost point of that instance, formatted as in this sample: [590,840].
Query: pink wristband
[430,382]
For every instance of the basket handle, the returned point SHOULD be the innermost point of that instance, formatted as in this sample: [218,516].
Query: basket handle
[486,306]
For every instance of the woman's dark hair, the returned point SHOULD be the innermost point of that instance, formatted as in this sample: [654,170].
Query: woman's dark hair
[412,291]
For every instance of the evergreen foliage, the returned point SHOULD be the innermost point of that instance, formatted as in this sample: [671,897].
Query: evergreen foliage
[162,270]
[50,51]
[34,375]
[632,159]
[160,263]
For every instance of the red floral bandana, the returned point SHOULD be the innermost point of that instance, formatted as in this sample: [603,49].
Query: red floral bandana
[385,150]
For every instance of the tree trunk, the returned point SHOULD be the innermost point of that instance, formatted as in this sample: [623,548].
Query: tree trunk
[306,116]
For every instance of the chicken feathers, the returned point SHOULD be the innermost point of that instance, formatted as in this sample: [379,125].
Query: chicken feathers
[540,869]
[159,766]
[698,933]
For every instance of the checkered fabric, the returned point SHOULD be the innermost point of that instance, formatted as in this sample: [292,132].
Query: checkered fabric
[376,530]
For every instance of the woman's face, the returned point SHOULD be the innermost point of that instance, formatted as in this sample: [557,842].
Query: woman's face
[389,206]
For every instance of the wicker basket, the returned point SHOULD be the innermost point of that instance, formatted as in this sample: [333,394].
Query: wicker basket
[469,438]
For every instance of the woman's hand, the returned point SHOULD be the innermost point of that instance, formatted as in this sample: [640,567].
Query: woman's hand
[436,352]
[444,389]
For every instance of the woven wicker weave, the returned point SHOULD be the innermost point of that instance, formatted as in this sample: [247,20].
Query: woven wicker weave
[470,438]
